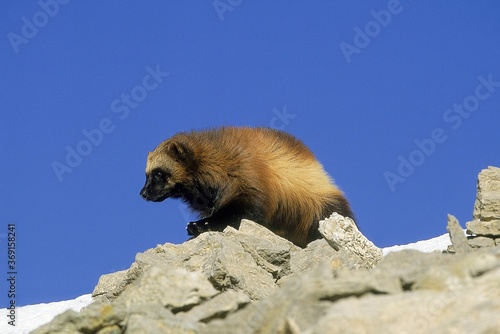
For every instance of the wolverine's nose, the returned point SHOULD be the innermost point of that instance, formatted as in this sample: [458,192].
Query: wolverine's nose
[144,193]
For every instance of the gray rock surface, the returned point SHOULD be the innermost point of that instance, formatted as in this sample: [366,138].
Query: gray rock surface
[342,233]
[467,308]
[457,236]
[489,228]
[478,242]
[485,228]
[252,281]
[487,205]
[391,298]
[176,289]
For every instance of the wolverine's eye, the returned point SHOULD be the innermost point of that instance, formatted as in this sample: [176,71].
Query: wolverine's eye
[158,175]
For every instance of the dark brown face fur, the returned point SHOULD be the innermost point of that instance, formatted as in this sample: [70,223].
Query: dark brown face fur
[171,171]
[165,172]
[159,186]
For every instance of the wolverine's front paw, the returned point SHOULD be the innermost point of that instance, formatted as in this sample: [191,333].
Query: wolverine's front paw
[195,228]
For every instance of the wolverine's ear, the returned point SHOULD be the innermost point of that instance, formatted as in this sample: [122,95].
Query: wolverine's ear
[180,152]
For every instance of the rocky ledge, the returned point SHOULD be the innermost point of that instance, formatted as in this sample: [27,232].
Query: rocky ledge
[484,230]
[252,281]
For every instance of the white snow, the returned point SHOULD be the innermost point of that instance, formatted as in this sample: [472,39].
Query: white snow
[31,317]
[438,243]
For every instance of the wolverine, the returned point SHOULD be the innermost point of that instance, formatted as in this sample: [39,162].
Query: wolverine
[230,173]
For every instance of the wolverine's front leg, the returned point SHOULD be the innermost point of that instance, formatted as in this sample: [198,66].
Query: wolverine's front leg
[230,215]
[214,223]
[198,227]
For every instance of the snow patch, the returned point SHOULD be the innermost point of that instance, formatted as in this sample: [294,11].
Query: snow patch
[440,243]
[31,317]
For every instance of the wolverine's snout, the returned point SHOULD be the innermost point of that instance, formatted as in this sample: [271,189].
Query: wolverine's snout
[146,190]
[154,191]
[144,193]
[149,195]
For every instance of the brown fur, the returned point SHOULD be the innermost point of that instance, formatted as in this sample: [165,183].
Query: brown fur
[232,173]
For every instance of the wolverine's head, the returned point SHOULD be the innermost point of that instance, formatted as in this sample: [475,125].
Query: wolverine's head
[166,171]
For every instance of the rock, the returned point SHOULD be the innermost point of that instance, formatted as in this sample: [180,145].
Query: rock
[295,300]
[486,223]
[308,258]
[311,302]
[427,307]
[469,309]
[409,265]
[487,205]
[457,236]
[252,259]
[342,233]
[94,318]
[228,266]
[152,318]
[217,308]
[62,323]
[110,284]
[484,228]
[478,242]
[113,329]
[248,227]
[253,281]
[174,289]
[229,260]
[458,273]
[270,252]
[407,291]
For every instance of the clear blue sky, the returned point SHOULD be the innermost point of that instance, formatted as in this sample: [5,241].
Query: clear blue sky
[400,101]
